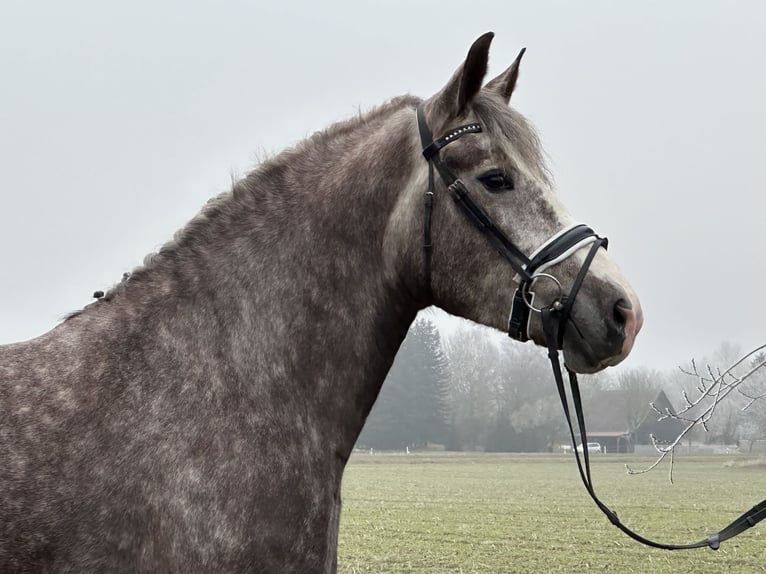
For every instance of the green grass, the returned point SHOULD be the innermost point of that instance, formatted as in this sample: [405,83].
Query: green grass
[530,514]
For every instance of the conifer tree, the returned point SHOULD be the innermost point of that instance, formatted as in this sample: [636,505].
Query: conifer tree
[411,408]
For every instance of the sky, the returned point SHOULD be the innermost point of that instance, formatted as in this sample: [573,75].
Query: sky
[119,120]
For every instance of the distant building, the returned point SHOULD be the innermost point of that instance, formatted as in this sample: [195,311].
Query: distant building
[665,431]
[609,424]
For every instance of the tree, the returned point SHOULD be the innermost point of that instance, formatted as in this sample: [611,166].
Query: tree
[706,401]
[411,409]
[530,399]
[752,420]
[502,394]
[477,360]
[636,389]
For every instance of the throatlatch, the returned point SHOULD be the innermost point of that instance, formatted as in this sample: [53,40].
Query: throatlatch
[554,317]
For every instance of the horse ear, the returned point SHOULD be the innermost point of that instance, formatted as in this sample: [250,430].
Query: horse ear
[503,85]
[466,81]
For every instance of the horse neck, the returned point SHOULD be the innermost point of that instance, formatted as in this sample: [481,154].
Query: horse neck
[299,284]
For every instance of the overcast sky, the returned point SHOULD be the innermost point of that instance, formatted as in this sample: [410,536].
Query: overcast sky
[119,120]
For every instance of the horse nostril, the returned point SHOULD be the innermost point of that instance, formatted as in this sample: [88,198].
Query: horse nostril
[619,313]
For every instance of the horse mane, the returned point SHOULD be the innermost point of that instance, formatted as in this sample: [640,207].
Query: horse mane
[261,181]
[356,122]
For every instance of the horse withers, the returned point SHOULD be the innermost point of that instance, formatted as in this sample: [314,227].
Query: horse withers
[198,417]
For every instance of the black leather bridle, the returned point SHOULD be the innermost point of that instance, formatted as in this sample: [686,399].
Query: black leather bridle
[554,316]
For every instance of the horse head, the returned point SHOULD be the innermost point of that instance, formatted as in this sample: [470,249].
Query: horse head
[488,158]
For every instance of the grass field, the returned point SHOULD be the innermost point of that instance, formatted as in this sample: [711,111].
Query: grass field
[529,513]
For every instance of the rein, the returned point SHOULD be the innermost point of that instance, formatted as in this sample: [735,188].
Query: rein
[554,317]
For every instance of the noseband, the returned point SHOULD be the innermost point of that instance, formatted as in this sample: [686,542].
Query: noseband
[554,316]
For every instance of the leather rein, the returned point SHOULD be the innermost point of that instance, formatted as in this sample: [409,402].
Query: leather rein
[554,316]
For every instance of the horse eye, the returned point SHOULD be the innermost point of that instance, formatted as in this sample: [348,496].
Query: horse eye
[496,181]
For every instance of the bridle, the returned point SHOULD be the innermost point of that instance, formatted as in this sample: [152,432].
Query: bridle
[554,316]
[528,269]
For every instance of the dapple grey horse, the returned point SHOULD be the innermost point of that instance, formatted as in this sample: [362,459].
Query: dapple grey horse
[199,416]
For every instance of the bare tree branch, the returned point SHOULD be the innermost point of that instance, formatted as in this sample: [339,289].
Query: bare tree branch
[712,387]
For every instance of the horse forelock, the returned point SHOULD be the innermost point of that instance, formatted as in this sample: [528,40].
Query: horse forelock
[515,133]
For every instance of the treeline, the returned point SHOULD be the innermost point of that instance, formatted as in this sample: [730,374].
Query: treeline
[471,390]
[474,389]
[413,406]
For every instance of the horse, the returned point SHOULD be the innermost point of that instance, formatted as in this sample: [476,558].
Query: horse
[199,416]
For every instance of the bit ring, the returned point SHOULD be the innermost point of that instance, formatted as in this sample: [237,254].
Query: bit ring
[529,301]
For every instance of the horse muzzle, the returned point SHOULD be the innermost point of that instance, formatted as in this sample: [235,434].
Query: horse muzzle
[602,328]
